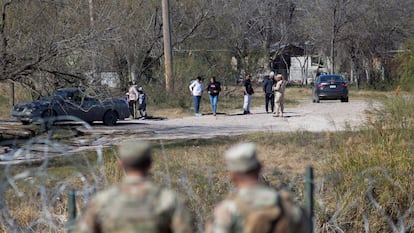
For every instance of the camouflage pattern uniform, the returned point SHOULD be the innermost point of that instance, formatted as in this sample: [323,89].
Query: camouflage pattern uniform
[233,213]
[229,218]
[135,205]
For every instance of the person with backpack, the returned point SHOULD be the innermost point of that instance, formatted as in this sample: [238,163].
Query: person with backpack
[137,204]
[254,206]
[213,89]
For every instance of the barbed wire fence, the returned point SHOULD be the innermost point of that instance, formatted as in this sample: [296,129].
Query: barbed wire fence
[34,194]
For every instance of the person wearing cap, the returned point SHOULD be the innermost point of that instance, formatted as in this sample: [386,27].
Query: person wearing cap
[268,83]
[279,89]
[235,212]
[142,103]
[136,204]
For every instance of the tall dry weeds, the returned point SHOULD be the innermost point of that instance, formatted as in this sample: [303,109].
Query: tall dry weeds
[372,173]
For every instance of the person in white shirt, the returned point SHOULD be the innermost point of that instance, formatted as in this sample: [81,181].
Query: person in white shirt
[196,89]
[279,89]
[132,96]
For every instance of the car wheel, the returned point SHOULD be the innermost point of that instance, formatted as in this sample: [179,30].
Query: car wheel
[345,99]
[25,122]
[110,118]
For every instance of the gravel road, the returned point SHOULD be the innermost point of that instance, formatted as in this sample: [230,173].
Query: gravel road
[307,116]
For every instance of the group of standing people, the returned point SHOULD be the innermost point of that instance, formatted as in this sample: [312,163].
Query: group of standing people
[137,97]
[139,205]
[274,88]
[213,89]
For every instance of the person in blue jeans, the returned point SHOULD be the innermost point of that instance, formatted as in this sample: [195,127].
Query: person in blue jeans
[213,90]
[196,88]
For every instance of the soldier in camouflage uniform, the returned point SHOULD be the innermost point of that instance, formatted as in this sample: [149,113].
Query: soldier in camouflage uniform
[238,212]
[136,204]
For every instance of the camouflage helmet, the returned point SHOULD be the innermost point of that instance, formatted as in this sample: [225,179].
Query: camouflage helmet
[242,158]
[135,151]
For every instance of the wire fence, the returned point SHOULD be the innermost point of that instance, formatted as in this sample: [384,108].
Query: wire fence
[37,195]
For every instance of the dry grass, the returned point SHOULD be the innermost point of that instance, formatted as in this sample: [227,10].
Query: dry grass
[21,94]
[375,178]
[195,168]
[5,106]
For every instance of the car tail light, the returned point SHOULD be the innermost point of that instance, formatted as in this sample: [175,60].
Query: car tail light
[319,85]
[344,84]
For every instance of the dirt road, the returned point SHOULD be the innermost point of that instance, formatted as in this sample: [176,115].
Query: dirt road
[308,116]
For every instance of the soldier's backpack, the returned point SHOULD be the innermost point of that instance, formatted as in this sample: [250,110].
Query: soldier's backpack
[285,216]
[130,211]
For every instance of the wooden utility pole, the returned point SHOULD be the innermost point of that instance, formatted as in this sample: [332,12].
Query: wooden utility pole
[92,29]
[4,49]
[333,40]
[169,84]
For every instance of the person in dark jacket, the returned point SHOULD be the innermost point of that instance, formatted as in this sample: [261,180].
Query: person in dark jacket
[268,92]
[213,90]
[248,91]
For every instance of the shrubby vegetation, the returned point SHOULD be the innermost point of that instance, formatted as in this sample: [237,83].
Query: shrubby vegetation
[373,186]
[406,68]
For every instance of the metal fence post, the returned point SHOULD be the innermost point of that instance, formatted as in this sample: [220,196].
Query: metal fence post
[309,194]
[71,210]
